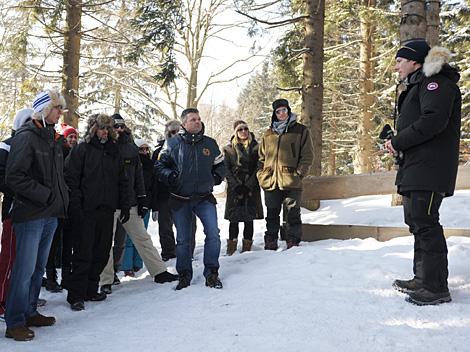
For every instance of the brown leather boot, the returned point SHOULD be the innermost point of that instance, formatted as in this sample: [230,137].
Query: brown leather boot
[246,245]
[19,333]
[40,320]
[231,246]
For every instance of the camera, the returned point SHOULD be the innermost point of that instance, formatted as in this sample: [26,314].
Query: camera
[386,134]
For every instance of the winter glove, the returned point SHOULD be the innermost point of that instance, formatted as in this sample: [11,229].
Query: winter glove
[154,215]
[217,179]
[125,215]
[173,178]
[142,207]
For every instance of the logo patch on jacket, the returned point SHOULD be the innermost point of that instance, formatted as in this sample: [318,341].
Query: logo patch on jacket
[206,151]
[432,86]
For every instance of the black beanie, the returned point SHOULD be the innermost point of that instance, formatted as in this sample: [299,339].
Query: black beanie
[118,119]
[280,102]
[277,104]
[415,50]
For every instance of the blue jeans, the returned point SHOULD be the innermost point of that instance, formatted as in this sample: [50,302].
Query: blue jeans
[131,259]
[182,218]
[33,242]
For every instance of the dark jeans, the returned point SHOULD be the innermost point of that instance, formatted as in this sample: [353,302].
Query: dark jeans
[165,231]
[421,210]
[33,242]
[247,230]
[184,217]
[91,253]
[289,200]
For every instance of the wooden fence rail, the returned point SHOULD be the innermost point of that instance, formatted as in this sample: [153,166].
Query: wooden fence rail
[340,187]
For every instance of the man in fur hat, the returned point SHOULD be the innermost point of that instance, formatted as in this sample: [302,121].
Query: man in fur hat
[98,186]
[428,138]
[285,156]
[35,174]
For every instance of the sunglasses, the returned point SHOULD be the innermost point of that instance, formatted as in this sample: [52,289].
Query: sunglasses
[59,107]
[119,125]
[280,111]
[243,129]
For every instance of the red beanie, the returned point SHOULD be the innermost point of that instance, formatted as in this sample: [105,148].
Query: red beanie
[68,130]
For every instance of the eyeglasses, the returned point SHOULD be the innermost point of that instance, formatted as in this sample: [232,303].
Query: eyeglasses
[119,125]
[243,129]
[280,111]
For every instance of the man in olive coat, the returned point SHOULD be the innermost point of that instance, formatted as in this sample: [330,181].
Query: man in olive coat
[427,139]
[285,156]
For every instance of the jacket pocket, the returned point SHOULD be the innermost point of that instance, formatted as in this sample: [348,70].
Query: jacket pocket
[290,178]
[265,177]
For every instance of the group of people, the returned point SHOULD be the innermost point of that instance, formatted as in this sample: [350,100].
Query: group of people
[73,200]
[86,195]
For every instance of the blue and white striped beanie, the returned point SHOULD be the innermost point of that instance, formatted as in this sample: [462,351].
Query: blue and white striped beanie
[45,101]
[41,101]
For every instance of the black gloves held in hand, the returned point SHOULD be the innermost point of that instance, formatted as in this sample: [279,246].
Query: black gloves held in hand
[142,207]
[125,215]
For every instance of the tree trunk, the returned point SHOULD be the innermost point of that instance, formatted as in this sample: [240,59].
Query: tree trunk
[363,162]
[432,22]
[192,85]
[312,88]
[413,20]
[71,56]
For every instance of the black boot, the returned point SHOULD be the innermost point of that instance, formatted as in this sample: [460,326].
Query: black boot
[165,277]
[213,280]
[184,281]
[407,286]
[423,297]
[51,281]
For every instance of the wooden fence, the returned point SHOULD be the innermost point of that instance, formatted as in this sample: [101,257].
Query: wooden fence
[340,187]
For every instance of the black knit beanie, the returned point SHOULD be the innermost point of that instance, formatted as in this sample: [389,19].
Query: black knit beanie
[277,104]
[415,50]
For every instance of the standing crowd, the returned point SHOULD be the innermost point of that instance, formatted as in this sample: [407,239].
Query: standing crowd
[66,202]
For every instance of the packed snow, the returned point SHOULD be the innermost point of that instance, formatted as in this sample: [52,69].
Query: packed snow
[328,295]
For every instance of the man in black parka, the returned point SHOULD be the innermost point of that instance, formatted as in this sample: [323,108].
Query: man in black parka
[98,186]
[428,136]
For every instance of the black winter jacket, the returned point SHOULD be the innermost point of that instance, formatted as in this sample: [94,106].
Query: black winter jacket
[35,173]
[95,174]
[243,191]
[428,129]
[132,167]
[150,179]
[197,161]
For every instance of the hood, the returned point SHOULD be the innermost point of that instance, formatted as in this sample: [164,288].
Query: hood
[437,61]
[36,127]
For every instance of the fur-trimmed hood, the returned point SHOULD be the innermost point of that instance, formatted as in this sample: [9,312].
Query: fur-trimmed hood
[99,121]
[437,61]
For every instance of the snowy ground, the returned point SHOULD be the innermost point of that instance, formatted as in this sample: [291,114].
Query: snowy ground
[324,296]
